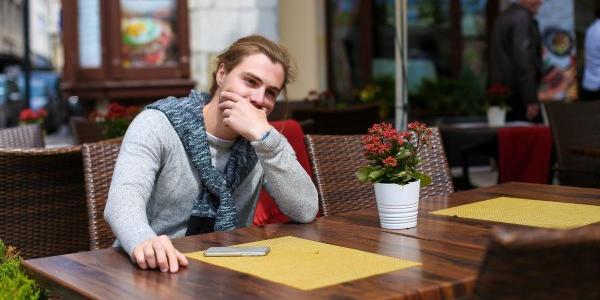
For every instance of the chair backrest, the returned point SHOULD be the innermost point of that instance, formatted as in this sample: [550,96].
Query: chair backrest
[541,264]
[575,125]
[335,159]
[28,136]
[345,121]
[99,163]
[42,201]
[435,164]
[85,131]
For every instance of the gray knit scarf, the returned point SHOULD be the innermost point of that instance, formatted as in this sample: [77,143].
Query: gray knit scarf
[214,208]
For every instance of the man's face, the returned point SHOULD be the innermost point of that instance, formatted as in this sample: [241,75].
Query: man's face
[532,5]
[256,78]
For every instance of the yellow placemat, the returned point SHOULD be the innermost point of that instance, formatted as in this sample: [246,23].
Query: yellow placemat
[306,264]
[520,211]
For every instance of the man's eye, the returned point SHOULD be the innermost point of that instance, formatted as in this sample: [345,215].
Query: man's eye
[251,81]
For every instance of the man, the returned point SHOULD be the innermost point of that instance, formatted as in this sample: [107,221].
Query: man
[591,74]
[196,164]
[516,58]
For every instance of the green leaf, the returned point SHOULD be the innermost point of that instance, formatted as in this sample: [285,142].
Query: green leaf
[362,174]
[425,180]
[375,174]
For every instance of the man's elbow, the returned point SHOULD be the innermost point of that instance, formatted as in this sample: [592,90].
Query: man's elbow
[310,213]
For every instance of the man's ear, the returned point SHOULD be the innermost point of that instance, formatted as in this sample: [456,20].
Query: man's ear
[221,72]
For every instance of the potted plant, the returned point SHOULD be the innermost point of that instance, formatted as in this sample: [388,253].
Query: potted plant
[14,284]
[28,116]
[496,101]
[393,159]
[116,120]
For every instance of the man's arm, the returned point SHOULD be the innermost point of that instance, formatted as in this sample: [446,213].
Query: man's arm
[133,180]
[286,181]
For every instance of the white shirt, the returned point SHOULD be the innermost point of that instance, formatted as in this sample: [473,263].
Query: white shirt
[591,74]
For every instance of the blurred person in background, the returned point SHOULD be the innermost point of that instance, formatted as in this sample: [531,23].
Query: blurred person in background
[590,89]
[516,58]
[196,164]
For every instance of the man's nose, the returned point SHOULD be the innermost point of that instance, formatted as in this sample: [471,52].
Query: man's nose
[257,98]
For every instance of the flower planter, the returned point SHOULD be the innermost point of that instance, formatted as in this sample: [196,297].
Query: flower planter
[496,116]
[398,205]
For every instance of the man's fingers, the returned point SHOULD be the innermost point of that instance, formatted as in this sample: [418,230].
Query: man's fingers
[226,113]
[182,259]
[170,251]
[226,104]
[161,257]
[149,256]
[138,255]
[230,96]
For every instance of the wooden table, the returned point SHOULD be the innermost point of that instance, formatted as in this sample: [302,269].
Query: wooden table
[449,249]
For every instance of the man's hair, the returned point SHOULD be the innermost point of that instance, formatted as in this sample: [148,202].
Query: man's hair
[254,44]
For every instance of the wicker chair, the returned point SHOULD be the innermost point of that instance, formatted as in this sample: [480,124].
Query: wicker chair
[435,164]
[42,201]
[335,159]
[575,125]
[85,131]
[541,264]
[28,136]
[99,162]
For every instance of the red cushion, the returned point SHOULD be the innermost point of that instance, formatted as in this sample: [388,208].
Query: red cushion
[524,154]
[267,211]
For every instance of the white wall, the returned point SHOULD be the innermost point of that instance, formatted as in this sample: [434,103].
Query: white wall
[39,25]
[214,25]
[302,27]
[11,28]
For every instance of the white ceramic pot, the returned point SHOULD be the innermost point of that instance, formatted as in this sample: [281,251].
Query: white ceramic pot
[398,205]
[496,116]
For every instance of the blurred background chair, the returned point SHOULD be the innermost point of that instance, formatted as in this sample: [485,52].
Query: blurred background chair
[42,201]
[267,211]
[335,158]
[99,163]
[27,136]
[339,121]
[575,125]
[85,131]
[541,264]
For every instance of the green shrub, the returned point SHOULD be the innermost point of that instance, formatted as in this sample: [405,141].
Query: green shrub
[14,284]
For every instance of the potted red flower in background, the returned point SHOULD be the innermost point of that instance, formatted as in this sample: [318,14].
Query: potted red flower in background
[116,120]
[393,160]
[28,116]
[496,98]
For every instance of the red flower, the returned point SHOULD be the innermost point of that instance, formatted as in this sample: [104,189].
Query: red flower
[116,110]
[28,115]
[392,154]
[498,89]
[390,161]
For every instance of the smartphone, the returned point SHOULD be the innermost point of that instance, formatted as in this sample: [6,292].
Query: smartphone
[237,251]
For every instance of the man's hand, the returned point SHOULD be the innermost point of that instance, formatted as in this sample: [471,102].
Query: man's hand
[533,110]
[159,252]
[243,117]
